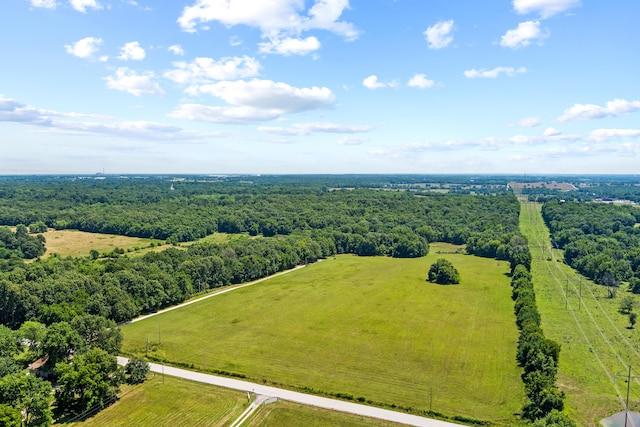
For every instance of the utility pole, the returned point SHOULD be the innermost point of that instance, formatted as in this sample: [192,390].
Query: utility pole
[629,376]
[159,332]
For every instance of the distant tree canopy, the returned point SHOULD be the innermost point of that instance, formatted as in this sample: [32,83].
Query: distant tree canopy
[20,244]
[600,240]
[443,273]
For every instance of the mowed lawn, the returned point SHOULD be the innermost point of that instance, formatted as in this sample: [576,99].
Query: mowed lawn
[370,327]
[171,402]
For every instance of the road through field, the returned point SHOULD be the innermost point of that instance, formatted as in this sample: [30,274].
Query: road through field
[293,396]
[214,293]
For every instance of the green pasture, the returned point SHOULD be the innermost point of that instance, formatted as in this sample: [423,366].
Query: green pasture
[369,327]
[288,414]
[595,338]
[171,402]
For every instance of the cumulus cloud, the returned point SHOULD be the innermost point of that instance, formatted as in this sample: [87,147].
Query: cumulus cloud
[546,8]
[126,80]
[439,35]
[206,70]
[308,128]
[494,73]
[132,51]
[268,95]
[277,19]
[46,4]
[421,82]
[253,101]
[82,5]
[176,49]
[617,107]
[552,132]
[614,134]
[290,46]
[523,35]
[372,82]
[84,48]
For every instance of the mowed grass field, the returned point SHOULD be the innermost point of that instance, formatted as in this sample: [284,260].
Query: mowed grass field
[596,341]
[371,327]
[171,402]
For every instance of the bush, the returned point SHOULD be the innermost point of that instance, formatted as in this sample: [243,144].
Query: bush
[443,273]
[136,369]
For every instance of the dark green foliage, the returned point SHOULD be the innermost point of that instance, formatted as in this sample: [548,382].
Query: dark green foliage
[443,273]
[91,379]
[633,318]
[60,342]
[10,417]
[555,419]
[600,240]
[38,227]
[9,344]
[20,244]
[30,395]
[136,370]
[99,332]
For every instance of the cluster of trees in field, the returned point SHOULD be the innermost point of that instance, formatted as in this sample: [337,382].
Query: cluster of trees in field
[79,356]
[20,244]
[600,240]
[537,355]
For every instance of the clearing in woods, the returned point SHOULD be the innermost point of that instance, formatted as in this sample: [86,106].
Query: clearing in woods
[367,327]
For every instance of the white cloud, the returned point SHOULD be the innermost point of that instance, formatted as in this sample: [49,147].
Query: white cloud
[420,81]
[552,132]
[228,115]
[546,8]
[352,140]
[82,5]
[18,112]
[529,122]
[84,48]
[290,46]
[46,4]
[523,35]
[439,35]
[277,19]
[617,107]
[126,80]
[614,134]
[206,70]
[132,51]
[494,73]
[268,95]
[372,82]
[176,49]
[308,128]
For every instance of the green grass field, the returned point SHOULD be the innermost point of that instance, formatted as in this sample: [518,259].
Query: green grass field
[79,243]
[288,414]
[370,327]
[595,338]
[175,403]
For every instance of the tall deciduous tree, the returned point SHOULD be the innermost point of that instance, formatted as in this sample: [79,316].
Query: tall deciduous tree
[443,273]
[30,395]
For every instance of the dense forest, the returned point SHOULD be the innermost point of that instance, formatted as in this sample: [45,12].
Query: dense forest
[56,308]
[600,240]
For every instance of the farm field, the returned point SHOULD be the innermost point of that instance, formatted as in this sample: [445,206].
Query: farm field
[595,338]
[171,402]
[79,243]
[368,327]
[288,414]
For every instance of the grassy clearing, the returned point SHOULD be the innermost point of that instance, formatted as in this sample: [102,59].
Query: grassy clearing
[287,414]
[176,403]
[370,327]
[79,243]
[596,342]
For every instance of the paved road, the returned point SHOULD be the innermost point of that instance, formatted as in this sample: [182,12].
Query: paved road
[293,396]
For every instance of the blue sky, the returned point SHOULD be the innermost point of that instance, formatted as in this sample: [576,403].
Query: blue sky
[320,86]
